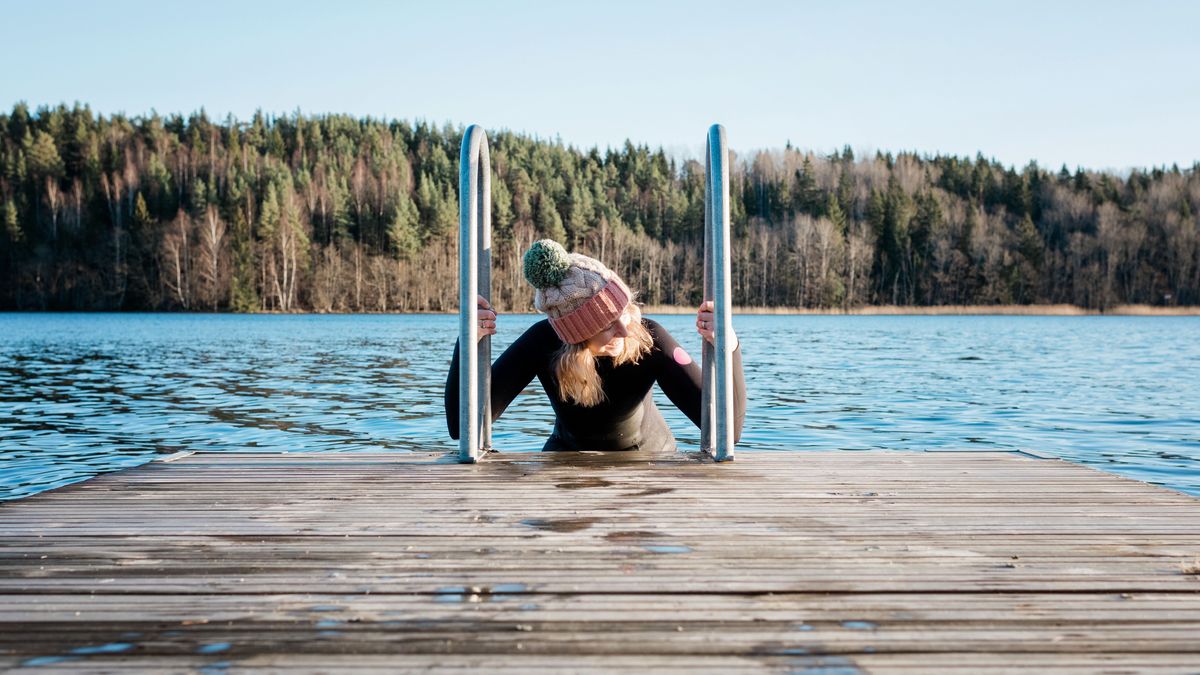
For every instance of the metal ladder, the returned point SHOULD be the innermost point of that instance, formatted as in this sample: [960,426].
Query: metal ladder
[475,278]
[716,399]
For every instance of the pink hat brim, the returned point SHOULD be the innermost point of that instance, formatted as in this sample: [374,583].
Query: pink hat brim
[593,316]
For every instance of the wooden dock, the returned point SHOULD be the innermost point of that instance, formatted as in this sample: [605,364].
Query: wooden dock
[814,562]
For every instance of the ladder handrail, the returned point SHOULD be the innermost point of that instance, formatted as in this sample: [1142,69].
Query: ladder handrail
[474,278]
[716,428]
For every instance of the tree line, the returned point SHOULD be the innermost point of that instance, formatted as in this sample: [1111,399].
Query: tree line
[336,213]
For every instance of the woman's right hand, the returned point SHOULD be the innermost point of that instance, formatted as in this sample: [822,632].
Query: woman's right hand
[486,318]
[706,324]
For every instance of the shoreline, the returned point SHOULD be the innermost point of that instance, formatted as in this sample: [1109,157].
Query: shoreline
[948,310]
[871,310]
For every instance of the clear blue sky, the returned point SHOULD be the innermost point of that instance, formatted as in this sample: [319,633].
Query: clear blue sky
[1099,84]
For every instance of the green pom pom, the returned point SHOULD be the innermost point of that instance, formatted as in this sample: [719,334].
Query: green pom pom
[546,263]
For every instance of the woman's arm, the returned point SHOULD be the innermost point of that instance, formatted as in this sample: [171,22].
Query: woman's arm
[680,378]
[511,373]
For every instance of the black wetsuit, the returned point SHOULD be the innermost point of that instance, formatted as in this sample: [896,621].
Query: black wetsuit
[628,418]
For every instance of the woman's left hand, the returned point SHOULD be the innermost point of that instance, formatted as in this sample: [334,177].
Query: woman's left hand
[706,324]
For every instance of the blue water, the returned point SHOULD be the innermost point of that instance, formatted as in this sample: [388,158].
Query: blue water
[82,394]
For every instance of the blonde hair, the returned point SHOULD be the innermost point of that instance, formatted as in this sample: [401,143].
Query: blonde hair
[575,365]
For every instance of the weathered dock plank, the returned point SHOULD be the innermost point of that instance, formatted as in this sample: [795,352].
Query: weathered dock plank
[784,562]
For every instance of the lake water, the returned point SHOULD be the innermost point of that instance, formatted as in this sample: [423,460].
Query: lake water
[82,394]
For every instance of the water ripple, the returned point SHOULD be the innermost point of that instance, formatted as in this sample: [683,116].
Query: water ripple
[81,394]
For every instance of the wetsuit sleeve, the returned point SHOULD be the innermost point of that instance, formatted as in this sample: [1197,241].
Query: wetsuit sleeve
[680,379]
[511,373]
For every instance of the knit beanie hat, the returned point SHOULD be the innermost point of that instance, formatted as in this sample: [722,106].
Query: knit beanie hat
[580,295]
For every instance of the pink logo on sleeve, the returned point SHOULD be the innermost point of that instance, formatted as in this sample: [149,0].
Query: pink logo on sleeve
[681,357]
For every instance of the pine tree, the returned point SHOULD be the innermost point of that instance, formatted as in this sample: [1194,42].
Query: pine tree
[502,209]
[833,211]
[268,213]
[579,215]
[845,190]
[243,288]
[548,222]
[44,160]
[343,219]
[1030,241]
[806,198]
[12,227]
[445,218]
[403,236]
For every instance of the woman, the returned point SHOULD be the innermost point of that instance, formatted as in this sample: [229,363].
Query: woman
[596,358]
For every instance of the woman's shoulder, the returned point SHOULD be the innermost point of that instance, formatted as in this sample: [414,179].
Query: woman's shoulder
[665,350]
[659,335]
[656,329]
[533,347]
[542,334]
[542,327]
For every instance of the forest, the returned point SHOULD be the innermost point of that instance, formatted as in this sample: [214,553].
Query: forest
[332,213]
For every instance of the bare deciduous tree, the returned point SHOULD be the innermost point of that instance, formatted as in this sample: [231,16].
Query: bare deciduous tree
[175,254]
[212,264]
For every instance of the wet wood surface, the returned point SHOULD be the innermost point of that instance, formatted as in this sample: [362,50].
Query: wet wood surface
[839,562]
